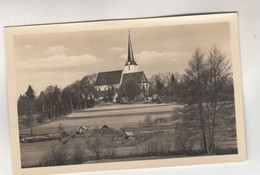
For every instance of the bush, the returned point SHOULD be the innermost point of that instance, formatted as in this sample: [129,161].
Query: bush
[109,151]
[78,154]
[56,156]
[159,145]
[184,140]
[95,146]
[148,120]
[73,134]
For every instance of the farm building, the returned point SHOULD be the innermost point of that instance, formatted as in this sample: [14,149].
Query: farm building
[105,130]
[108,83]
[129,135]
[82,129]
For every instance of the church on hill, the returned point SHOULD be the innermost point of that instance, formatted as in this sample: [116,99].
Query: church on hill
[110,82]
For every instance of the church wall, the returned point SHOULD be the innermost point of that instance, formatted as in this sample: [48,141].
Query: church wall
[146,86]
[106,87]
[130,69]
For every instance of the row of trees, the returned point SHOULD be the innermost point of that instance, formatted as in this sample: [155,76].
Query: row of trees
[207,82]
[54,102]
[164,85]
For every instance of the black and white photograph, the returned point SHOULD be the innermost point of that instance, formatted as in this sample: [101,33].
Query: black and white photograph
[126,91]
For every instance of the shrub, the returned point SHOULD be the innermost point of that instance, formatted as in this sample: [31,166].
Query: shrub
[56,156]
[109,151]
[184,140]
[159,145]
[96,146]
[148,120]
[78,154]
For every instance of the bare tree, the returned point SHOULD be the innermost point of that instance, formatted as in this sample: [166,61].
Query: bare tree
[218,72]
[204,82]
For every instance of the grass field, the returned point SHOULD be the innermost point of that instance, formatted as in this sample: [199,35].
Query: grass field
[115,116]
[128,116]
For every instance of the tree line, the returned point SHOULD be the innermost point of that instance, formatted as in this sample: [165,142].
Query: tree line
[54,102]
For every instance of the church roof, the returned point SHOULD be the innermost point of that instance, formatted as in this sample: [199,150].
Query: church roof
[137,76]
[109,78]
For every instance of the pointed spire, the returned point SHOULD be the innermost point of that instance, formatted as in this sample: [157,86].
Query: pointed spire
[130,55]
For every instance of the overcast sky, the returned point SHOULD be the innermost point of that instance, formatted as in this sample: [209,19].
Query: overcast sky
[62,58]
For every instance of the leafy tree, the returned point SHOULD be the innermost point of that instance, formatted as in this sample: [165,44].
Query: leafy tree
[67,100]
[29,95]
[22,105]
[53,101]
[41,105]
[159,85]
[163,85]
[130,89]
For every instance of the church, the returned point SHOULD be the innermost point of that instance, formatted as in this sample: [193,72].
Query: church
[110,82]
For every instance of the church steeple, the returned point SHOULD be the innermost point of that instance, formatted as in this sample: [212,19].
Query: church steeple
[130,64]
[130,55]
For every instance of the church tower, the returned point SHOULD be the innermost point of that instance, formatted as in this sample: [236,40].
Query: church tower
[130,65]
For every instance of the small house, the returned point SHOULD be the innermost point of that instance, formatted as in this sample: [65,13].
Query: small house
[82,130]
[129,135]
[105,130]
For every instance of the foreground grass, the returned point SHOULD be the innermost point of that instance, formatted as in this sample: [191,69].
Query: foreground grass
[152,140]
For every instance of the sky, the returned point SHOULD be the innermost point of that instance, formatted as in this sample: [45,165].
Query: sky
[63,58]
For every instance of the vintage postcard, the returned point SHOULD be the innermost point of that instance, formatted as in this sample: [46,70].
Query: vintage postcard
[123,94]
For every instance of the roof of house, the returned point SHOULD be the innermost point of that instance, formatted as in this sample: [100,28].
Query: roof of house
[139,77]
[109,78]
[105,127]
[129,133]
[83,127]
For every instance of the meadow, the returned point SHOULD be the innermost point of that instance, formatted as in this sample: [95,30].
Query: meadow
[153,126]
[115,116]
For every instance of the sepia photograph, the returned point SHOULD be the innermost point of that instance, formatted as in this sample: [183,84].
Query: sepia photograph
[120,91]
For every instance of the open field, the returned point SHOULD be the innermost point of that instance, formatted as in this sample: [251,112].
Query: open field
[124,110]
[156,140]
[131,114]
[115,116]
